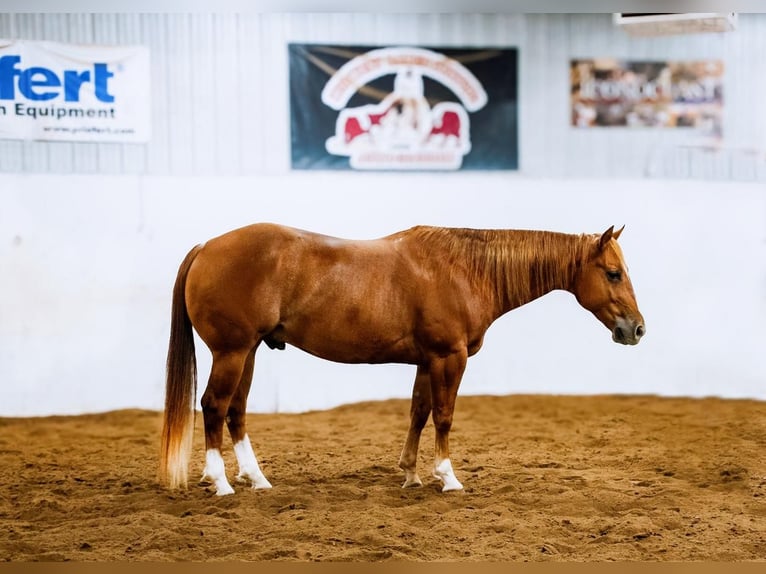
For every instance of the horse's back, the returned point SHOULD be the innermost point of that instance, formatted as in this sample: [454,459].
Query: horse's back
[288,285]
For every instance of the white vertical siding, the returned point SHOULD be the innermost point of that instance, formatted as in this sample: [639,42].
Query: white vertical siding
[274,97]
[180,99]
[220,90]
[253,84]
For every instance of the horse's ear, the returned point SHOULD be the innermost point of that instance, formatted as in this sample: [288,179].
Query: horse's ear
[616,234]
[605,237]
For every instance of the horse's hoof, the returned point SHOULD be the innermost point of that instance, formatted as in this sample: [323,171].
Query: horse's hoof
[257,482]
[261,484]
[411,479]
[224,490]
[443,471]
[452,487]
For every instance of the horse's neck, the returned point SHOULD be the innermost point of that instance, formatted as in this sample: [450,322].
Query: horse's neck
[530,264]
[506,268]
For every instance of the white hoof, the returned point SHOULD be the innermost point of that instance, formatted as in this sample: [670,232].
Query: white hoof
[454,484]
[216,473]
[262,484]
[443,471]
[224,490]
[258,482]
[222,486]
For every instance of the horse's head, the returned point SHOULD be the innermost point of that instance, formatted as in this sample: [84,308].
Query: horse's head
[603,287]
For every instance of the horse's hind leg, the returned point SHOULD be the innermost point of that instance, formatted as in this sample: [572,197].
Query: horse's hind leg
[420,409]
[248,463]
[225,375]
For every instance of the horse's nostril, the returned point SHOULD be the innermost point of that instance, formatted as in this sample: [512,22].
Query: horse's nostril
[640,331]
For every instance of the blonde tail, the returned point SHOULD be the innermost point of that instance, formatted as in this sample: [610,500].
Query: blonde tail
[180,387]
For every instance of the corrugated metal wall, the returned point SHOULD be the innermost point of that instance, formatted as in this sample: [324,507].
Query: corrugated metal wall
[220,102]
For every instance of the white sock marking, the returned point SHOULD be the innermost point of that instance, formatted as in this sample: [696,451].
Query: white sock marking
[443,471]
[215,470]
[248,464]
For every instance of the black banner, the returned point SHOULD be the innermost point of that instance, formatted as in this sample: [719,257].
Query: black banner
[403,108]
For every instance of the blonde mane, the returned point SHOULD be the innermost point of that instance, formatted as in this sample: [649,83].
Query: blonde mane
[517,265]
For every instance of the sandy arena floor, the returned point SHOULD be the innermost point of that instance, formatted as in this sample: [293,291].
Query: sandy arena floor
[547,478]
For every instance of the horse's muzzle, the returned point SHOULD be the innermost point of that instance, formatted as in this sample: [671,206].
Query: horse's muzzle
[627,331]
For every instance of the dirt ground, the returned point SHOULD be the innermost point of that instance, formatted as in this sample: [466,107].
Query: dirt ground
[547,478]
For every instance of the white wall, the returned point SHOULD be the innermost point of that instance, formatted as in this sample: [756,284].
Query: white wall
[88,265]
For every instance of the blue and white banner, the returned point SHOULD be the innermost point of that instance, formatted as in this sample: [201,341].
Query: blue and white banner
[66,92]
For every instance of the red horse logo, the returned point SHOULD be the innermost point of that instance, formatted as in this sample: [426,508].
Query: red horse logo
[403,131]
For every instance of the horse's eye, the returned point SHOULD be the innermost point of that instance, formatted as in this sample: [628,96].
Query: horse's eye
[614,275]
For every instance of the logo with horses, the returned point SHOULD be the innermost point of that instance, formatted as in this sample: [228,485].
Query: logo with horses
[404,129]
[402,108]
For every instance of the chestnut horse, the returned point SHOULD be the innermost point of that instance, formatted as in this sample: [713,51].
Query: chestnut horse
[424,296]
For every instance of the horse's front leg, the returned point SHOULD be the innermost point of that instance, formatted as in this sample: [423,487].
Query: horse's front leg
[420,409]
[249,470]
[445,374]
